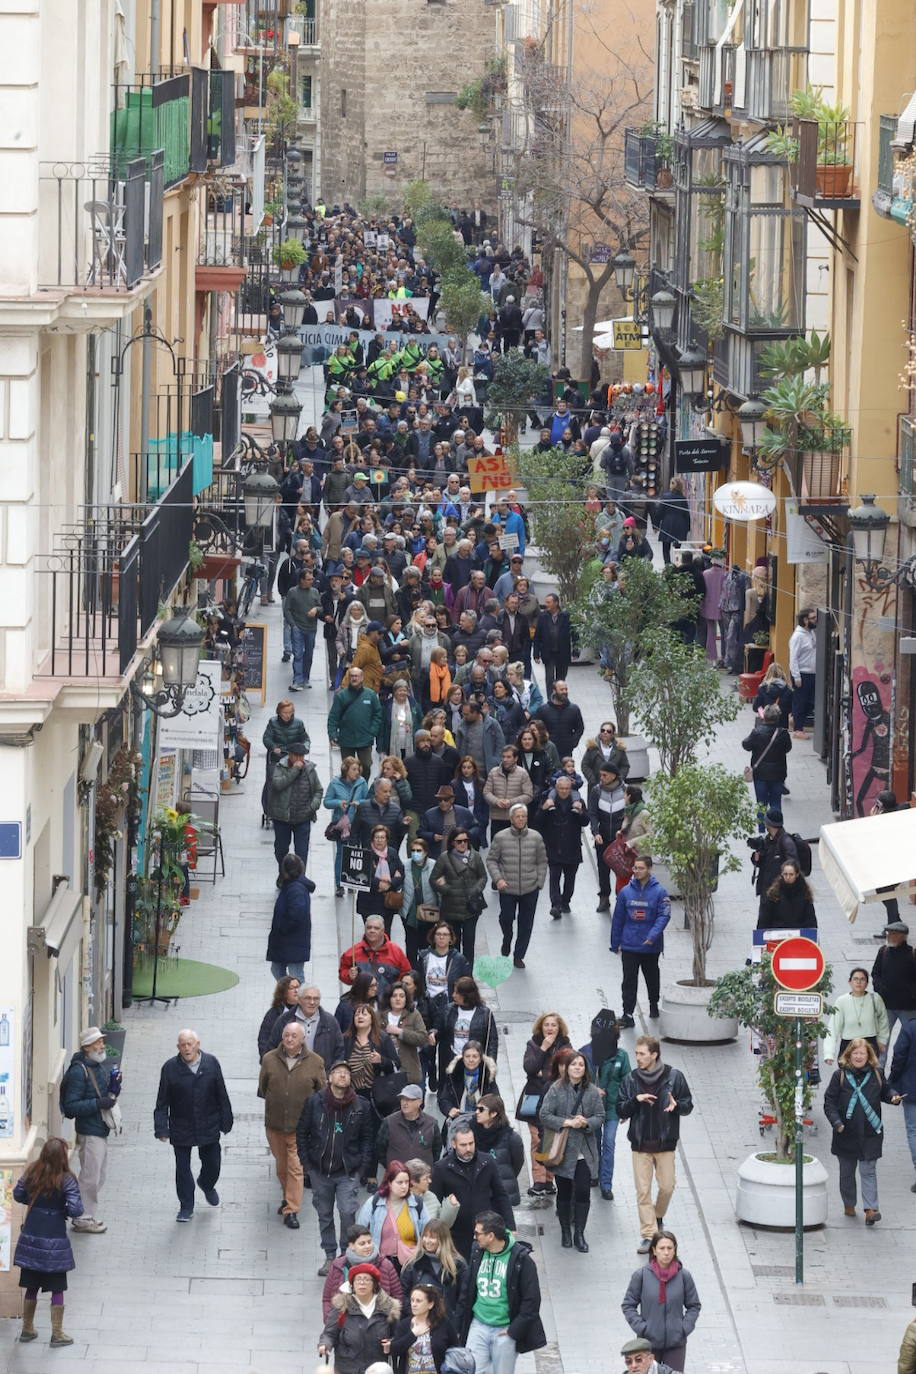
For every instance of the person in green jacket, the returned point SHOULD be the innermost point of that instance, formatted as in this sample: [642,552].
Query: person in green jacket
[410,356]
[434,366]
[355,719]
[293,798]
[282,730]
[609,1075]
[301,611]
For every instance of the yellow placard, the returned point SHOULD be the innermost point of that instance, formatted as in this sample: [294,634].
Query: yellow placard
[496,472]
[627,334]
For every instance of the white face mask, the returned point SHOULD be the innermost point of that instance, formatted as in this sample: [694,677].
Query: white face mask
[97,1056]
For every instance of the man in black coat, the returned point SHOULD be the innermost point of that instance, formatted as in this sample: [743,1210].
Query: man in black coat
[425,773]
[499,1309]
[193,1108]
[768,855]
[561,821]
[653,1098]
[334,1139]
[322,1033]
[445,816]
[563,719]
[382,808]
[473,1179]
[553,640]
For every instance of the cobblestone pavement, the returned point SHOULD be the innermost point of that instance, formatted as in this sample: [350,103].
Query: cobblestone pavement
[235,1291]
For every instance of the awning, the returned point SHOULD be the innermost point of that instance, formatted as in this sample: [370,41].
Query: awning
[61,926]
[870,859]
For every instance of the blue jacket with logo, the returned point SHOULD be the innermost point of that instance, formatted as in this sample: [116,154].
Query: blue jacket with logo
[640,917]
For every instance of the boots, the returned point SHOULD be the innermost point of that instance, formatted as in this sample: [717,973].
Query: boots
[58,1334]
[564,1212]
[581,1215]
[28,1332]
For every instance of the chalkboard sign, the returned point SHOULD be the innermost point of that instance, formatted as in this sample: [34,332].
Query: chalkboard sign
[251,658]
[700,455]
[355,867]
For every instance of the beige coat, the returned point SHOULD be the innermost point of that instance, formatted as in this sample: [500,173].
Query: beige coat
[512,787]
[285,1091]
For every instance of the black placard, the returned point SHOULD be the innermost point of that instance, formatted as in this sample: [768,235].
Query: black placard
[355,867]
[699,455]
[252,657]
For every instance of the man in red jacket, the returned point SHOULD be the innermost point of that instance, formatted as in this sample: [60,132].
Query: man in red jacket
[374,953]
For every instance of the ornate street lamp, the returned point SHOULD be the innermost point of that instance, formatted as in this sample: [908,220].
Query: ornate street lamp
[176,656]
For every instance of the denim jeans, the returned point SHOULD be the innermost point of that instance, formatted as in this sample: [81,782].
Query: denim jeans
[210,1159]
[494,1353]
[909,1121]
[767,794]
[325,1192]
[295,970]
[802,701]
[606,1163]
[303,651]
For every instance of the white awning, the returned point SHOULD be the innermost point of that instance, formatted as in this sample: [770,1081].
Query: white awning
[870,859]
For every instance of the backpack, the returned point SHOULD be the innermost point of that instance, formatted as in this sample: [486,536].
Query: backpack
[615,463]
[803,849]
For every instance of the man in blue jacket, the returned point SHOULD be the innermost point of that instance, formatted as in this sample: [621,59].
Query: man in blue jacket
[89,1087]
[902,1079]
[638,933]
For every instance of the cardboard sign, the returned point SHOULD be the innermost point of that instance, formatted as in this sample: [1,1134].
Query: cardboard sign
[496,472]
[355,867]
[508,542]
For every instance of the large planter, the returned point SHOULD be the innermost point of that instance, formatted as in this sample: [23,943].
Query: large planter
[821,475]
[685,1016]
[766,1193]
[638,753]
[217,566]
[832,180]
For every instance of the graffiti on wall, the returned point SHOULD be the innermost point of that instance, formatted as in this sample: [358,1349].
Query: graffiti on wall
[870,758]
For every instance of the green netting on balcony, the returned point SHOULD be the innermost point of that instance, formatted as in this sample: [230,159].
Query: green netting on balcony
[139,127]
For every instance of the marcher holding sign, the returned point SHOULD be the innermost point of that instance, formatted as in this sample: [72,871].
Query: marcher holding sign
[852,1105]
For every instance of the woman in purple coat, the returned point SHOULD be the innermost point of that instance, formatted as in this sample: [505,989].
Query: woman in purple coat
[50,1193]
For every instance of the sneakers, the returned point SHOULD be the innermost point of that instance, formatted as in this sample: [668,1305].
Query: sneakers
[537,1190]
[549,1189]
[644,1246]
[871,1216]
[295,686]
[185,1215]
[89,1224]
[210,1194]
[627,1022]
[326,1267]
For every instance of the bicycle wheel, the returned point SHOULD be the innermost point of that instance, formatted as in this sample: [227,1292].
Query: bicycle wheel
[246,598]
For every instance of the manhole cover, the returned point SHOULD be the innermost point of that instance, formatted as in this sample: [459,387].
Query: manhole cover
[859,1300]
[799,1300]
[773,1271]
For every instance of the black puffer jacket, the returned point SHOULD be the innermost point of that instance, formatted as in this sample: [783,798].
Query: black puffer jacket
[505,1146]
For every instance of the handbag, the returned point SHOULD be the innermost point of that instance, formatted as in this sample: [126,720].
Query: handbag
[553,1148]
[427,913]
[393,900]
[619,857]
[385,1091]
[529,1104]
[749,767]
[110,1115]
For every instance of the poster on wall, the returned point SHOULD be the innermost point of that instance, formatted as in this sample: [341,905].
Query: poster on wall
[199,723]
[6,1219]
[167,778]
[7,1111]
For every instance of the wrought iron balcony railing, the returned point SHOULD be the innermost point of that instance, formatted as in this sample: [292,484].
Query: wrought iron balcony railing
[825,172]
[100,222]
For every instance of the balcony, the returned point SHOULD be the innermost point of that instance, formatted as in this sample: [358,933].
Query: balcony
[717,78]
[157,113]
[644,166]
[826,170]
[100,223]
[892,197]
[771,75]
[301,32]
[221,247]
[101,589]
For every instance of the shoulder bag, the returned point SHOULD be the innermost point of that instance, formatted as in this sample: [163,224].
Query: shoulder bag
[553,1148]
[110,1115]
[749,767]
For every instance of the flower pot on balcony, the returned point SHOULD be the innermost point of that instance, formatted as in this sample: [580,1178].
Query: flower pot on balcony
[217,566]
[821,475]
[832,180]
[663,178]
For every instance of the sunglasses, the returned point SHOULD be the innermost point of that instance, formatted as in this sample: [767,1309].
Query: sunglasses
[461,841]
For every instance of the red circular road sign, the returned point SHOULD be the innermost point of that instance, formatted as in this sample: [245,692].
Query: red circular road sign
[798,964]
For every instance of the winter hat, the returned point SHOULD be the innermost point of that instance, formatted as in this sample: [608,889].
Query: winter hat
[90,1035]
[297,748]
[637,1346]
[629,523]
[369,1269]
[773,817]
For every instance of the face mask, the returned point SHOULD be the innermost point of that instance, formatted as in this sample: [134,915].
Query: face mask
[417,853]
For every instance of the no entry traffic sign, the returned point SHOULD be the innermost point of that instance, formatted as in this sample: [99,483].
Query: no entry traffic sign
[798,964]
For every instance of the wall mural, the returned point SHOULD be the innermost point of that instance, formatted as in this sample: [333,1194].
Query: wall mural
[870,757]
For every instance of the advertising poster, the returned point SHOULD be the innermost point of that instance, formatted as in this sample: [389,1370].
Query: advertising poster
[199,723]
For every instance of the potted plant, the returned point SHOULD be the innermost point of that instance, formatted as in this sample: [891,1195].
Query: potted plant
[614,622]
[695,817]
[561,528]
[833,172]
[115,1034]
[766,1179]
[678,699]
[289,257]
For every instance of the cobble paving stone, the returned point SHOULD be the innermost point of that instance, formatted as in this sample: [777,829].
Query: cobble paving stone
[234,1292]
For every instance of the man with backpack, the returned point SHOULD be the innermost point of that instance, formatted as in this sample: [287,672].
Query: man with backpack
[770,853]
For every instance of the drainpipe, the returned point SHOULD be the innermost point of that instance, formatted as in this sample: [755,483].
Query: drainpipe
[154,34]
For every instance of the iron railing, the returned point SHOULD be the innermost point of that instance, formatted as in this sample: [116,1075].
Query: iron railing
[826,170]
[222,229]
[155,112]
[100,224]
[642,164]
[306,29]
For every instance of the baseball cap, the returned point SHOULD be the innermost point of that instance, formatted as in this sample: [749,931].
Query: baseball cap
[413,1091]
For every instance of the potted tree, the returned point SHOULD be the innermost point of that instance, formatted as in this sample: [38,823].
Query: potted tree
[694,818]
[289,257]
[517,383]
[677,696]
[561,528]
[766,1180]
[615,621]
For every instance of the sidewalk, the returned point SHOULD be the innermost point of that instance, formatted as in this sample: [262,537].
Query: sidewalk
[235,1291]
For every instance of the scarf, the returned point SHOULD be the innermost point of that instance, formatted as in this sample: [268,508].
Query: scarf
[858,1098]
[351,1258]
[664,1274]
[440,680]
[338,1104]
[382,869]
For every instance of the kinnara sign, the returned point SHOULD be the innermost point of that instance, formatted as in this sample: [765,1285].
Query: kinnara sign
[744,501]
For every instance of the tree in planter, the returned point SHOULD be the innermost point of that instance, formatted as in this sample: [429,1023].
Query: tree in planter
[436,241]
[694,817]
[747,995]
[616,622]
[561,527]
[677,696]
[517,383]
[463,302]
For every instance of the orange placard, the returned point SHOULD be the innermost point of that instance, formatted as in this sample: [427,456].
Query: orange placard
[493,473]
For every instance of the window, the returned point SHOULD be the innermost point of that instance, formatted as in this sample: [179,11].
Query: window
[305,92]
[343,102]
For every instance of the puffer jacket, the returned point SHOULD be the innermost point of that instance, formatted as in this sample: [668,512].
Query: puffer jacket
[594,757]
[451,1085]
[356,1339]
[80,1100]
[43,1243]
[290,938]
[514,786]
[666,1324]
[504,1145]
[463,881]
[280,734]
[519,857]
[640,917]
[294,795]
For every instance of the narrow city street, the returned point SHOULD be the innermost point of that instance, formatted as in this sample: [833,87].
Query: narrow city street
[236,1292]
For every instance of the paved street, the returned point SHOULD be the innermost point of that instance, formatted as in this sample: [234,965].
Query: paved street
[235,1291]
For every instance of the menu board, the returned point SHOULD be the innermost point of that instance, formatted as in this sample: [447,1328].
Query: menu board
[251,658]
